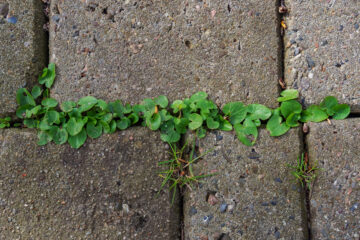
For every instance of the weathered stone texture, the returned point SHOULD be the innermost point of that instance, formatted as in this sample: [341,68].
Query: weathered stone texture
[253,195]
[23,48]
[334,200]
[105,190]
[134,49]
[322,50]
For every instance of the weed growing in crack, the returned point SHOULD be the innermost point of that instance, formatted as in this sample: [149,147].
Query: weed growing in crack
[180,173]
[304,172]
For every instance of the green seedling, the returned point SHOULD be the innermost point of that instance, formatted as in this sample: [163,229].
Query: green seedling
[304,172]
[180,173]
[73,122]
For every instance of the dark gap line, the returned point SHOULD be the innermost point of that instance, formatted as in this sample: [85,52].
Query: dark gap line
[280,6]
[305,188]
[181,197]
[353,115]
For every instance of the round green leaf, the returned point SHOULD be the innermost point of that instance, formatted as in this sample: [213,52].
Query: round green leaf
[44,138]
[196,121]
[212,124]
[170,136]
[48,75]
[162,101]
[154,121]
[313,114]
[274,125]
[52,117]
[67,106]
[328,104]
[123,124]
[293,120]
[23,97]
[36,91]
[93,131]
[74,126]
[86,103]
[198,96]
[258,111]
[78,140]
[61,136]
[288,94]
[49,102]
[291,106]
[341,111]
[178,105]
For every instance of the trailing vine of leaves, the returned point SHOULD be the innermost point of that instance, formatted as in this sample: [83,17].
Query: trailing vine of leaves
[74,122]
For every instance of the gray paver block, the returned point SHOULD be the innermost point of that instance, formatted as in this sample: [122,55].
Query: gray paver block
[23,49]
[254,195]
[334,202]
[105,190]
[131,49]
[322,50]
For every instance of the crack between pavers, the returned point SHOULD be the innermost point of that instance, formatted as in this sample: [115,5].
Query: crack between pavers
[182,198]
[281,87]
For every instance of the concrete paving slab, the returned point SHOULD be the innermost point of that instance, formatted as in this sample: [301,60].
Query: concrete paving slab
[131,49]
[334,201]
[23,50]
[253,196]
[322,50]
[105,190]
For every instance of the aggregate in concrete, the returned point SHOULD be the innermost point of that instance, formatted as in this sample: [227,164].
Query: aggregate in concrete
[23,50]
[132,49]
[253,194]
[322,50]
[105,190]
[335,198]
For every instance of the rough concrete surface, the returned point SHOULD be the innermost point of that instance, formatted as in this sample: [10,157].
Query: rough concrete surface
[23,50]
[335,198]
[322,49]
[253,196]
[105,190]
[132,49]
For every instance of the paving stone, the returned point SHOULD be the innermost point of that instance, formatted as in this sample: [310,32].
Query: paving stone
[322,50]
[131,49]
[253,195]
[23,50]
[105,190]
[334,202]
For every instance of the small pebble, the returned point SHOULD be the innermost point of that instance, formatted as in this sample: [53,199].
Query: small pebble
[278,180]
[223,207]
[337,65]
[356,26]
[354,207]
[341,27]
[219,137]
[292,41]
[296,51]
[323,43]
[12,20]
[273,202]
[265,204]
[310,62]
[192,211]
[212,200]
[208,218]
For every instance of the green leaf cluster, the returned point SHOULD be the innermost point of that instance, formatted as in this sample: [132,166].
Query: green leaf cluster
[75,121]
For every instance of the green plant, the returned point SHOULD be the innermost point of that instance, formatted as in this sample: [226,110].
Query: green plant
[180,173]
[304,172]
[73,122]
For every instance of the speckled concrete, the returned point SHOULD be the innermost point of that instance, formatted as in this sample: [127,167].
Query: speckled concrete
[105,190]
[132,49]
[322,49]
[23,50]
[335,198]
[253,195]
